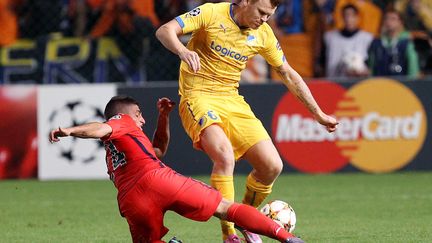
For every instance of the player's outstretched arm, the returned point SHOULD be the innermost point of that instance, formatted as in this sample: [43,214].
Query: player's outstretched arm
[161,135]
[88,130]
[298,87]
[168,36]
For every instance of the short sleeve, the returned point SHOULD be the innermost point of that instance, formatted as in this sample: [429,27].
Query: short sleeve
[272,50]
[195,19]
[121,124]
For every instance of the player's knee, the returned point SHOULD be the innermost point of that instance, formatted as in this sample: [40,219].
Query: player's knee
[225,151]
[225,161]
[276,168]
[223,168]
[218,147]
[223,156]
[269,173]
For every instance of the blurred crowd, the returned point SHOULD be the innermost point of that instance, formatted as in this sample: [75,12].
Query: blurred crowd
[322,38]
[359,38]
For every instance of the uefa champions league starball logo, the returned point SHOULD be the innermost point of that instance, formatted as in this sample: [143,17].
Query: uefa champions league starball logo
[71,114]
[195,12]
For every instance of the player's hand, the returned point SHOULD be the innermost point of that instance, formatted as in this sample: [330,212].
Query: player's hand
[191,58]
[56,133]
[165,105]
[328,121]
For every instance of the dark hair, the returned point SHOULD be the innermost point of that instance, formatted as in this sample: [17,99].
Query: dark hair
[392,10]
[350,6]
[274,3]
[117,104]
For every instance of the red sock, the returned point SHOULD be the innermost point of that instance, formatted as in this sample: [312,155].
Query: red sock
[249,218]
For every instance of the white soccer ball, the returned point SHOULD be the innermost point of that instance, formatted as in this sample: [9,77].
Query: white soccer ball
[282,213]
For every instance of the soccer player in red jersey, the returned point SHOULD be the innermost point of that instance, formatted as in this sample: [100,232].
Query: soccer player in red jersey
[147,188]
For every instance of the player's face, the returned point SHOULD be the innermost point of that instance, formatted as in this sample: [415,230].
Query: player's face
[136,115]
[257,12]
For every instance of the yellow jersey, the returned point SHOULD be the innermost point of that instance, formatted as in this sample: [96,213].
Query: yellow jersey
[223,48]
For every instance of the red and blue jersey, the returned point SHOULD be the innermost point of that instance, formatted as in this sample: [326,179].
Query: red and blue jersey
[129,153]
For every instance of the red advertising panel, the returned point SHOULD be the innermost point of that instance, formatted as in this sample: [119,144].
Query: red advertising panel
[18,129]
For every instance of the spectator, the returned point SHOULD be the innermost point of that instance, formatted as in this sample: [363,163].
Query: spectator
[104,17]
[92,18]
[393,53]
[136,21]
[99,17]
[418,20]
[346,49]
[129,21]
[288,18]
[41,17]
[384,4]
[318,14]
[143,9]
[169,9]
[76,15]
[417,14]
[318,19]
[8,22]
[370,15]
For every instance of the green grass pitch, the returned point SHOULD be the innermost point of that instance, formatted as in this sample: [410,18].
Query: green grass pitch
[353,207]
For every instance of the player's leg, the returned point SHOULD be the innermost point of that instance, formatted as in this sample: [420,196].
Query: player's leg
[197,201]
[203,119]
[250,139]
[252,220]
[217,146]
[146,232]
[143,214]
[267,165]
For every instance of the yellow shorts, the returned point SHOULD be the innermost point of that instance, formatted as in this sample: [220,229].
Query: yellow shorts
[231,113]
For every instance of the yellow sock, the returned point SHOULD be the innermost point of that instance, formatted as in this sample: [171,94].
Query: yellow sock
[225,185]
[256,192]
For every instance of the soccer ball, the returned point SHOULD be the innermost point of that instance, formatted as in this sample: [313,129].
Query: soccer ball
[282,213]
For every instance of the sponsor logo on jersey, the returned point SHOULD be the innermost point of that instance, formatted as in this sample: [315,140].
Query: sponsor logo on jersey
[382,127]
[223,27]
[251,40]
[212,115]
[223,51]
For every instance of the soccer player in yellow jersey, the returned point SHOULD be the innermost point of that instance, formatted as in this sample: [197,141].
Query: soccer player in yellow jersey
[218,120]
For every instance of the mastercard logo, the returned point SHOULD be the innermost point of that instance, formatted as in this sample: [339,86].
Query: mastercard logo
[382,127]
